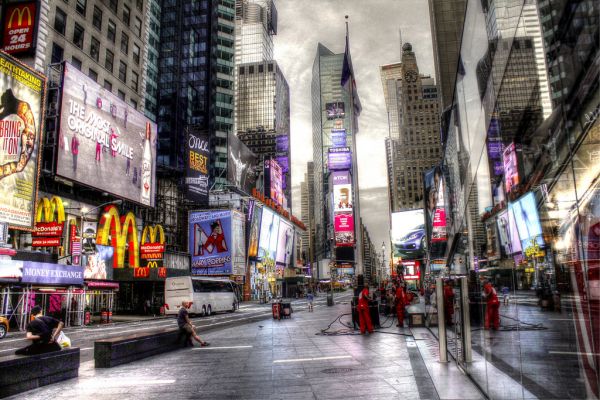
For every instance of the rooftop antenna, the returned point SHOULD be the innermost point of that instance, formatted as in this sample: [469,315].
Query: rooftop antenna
[400,34]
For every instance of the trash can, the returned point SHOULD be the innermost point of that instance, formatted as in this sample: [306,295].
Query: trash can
[374,313]
[276,308]
[329,299]
[286,310]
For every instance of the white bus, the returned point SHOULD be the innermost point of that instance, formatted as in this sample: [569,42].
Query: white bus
[209,295]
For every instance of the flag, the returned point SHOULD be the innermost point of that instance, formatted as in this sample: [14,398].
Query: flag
[349,83]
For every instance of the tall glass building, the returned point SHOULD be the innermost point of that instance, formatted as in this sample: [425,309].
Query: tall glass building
[532,180]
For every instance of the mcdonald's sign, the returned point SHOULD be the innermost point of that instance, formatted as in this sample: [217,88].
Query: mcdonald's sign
[49,222]
[20,21]
[120,231]
[152,246]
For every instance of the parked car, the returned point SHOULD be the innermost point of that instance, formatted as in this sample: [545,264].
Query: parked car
[3,327]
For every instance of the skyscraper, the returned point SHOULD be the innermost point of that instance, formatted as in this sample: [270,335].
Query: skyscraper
[334,156]
[255,25]
[416,147]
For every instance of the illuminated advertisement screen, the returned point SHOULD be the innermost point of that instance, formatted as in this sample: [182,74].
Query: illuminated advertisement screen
[412,269]
[495,147]
[507,231]
[285,243]
[241,164]
[527,220]
[274,237]
[335,110]
[269,229]
[21,93]
[99,263]
[238,244]
[104,142]
[20,21]
[342,191]
[343,225]
[511,171]
[254,231]
[435,205]
[273,181]
[492,245]
[284,163]
[338,137]
[408,234]
[339,159]
[282,144]
[198,154]
[210,242]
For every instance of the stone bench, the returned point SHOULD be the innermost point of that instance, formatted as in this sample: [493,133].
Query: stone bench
[115,351]
[22,373]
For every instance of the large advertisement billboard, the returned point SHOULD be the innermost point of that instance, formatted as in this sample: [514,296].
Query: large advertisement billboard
[339,159]
[435,205]
[198,154]
[511,167]
[342,191]
[241,165]
[210,242]
[238,244]
[273,181]
[269,229]
[507,230]
[338,137]
[335,110]
[19,27]
[254,231]
[21,93]
[408,234]
[528,221]
[285,243]
[343,225]
[104,142]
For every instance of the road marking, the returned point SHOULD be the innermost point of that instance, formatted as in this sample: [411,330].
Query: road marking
[14,348]
[573,353]
[222,347]
[310,359]
[86,348]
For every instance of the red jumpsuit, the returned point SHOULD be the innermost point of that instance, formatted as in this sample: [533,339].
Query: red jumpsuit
[363,312]
[400,303]
[448,303]
[491,312]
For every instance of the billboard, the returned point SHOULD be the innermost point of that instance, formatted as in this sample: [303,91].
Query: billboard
[342,191]
[19,23]
[98,264]
[335,110]
[254,231]
[269,228]
[105,143]
[343,226]
[408,234]
[196,174]
[284,163]
[21,93]
[238,244]
[435,205]
[510,164]
[210,242]
[274,237]
[492,247]
[273,181]
[527,220]
[339,159]
[507,230]
[494,146]
[285,244]
[338,137]
[241,164]
[282,144]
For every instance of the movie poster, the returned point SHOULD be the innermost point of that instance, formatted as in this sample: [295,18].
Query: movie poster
[21,94]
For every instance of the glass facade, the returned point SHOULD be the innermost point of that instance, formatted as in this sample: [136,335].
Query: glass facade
[523,201]
[152,53]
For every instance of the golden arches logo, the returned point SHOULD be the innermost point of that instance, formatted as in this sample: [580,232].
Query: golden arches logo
[150,232]
[20,12]
[121,230]
[47,209]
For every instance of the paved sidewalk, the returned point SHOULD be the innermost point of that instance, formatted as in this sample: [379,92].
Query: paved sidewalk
[270,360]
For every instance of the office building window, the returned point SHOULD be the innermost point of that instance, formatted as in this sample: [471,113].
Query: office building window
[95,48]
[121,94]
[261,68]
[76,63]
[109,60]
[78,34]
[136,53]
[112,31]
[133,103]
[60,21]
[139,5]
[134,80]
[57,53]
[137,28]
[97,18]
[108,85]
[123,71]
[93,75]
[124,43]
[80,6]
[113,5]
[126,14]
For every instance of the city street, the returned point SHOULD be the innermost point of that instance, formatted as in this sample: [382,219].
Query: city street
[270,359]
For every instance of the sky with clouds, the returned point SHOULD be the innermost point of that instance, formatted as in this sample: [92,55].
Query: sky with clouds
[374,41]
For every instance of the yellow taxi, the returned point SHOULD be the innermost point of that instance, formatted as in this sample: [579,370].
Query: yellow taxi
[3,327]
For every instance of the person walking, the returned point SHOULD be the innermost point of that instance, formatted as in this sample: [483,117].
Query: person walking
[505,296]
[448,301]
[43,332]
[310,298]
[364,317]
[186,328]
[492,316]
[400,303]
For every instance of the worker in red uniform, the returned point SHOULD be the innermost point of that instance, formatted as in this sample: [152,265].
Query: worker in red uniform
[400,303]
[492,315]
[448,301]
[363,311]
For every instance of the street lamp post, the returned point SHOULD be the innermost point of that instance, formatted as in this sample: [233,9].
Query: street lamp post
[382,260]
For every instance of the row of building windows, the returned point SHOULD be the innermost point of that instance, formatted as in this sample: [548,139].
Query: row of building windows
[260,68]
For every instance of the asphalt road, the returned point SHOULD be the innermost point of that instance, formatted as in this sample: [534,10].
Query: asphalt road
[84,337]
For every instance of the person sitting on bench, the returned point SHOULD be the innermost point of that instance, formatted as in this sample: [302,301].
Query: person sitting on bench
[185,326]
[42,331]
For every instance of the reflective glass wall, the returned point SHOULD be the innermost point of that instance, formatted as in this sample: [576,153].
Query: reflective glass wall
[521,170]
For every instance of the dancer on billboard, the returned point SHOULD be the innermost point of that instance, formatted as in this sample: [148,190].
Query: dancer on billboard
[216,239]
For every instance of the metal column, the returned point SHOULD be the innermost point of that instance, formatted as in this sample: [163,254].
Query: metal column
[439,295]
[466,319]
